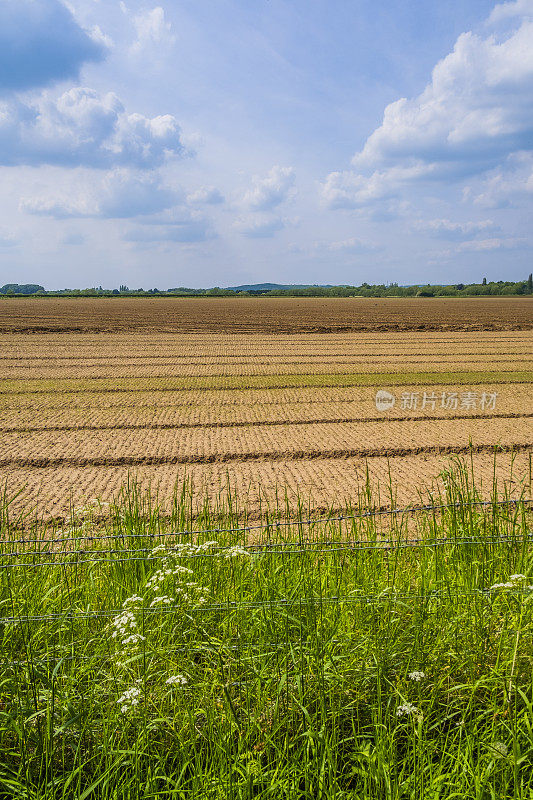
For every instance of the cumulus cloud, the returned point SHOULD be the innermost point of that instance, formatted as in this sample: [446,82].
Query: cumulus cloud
[205,195]
[41,42]
[446,229]
[503,11]
[507,187]
[120,194]
[475,112]
[351,190]
[259,226]
[84,128]
[153,31]
[269,192]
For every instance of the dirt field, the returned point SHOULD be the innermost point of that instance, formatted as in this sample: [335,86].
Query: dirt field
[258,409]
[264,315]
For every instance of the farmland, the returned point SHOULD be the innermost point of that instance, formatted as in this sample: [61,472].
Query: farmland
[229,571]
[93,393]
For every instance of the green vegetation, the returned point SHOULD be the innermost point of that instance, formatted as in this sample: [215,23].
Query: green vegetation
[379,656]
[462,378]
[21,289]
[491,288]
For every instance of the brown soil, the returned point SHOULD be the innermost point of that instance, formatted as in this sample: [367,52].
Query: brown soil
[264,315]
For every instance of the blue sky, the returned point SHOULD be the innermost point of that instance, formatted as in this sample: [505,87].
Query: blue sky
[218,142]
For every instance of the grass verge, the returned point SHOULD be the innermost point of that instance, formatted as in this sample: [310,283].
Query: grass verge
[371,656]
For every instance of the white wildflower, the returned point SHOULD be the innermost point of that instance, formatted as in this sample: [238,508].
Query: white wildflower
[514,582]
[129,699]
[132,600]
[176,680]
[135,638]
[236,550]
[164,600]
[408,709]
[416,676]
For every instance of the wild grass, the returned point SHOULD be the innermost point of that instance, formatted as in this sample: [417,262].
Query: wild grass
[373,656]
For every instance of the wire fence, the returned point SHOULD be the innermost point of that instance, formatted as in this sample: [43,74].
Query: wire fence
[62,621]
[276,524]
[280,548]
[386,597]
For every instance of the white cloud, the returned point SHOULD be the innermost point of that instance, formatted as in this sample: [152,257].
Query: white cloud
[487,245]
[519,8]
[507,187]
[351,190]
[41,42]
[153,31]
[269,192]
[121,193]
[259,226]
[475,112]
[446,229]
[205,195]
[84,128]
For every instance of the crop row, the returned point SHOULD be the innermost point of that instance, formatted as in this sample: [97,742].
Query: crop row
[322,483]
[209,410]
[272,442]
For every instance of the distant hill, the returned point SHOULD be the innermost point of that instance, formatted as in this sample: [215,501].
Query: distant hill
[267,287]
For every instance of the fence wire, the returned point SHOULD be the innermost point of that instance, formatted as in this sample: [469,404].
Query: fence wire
[276,524]
[283,548]
[389,596]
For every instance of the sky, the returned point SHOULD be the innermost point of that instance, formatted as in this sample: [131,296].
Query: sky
[223,142]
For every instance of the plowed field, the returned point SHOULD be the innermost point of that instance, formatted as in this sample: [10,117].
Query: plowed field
[89,400]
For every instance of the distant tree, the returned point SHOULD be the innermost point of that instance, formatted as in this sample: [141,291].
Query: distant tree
[21,288]
[484,281]
[530,284]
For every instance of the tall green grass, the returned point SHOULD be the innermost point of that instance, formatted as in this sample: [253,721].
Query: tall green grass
[367,657]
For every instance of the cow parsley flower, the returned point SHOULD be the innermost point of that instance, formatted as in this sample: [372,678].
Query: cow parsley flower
[236,550]
[176,680]
[129,699]
[408,710]
[416,676]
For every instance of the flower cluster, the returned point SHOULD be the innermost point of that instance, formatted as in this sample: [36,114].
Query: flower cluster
[185,590]
[236,550]
[408,710]
[176,680]
[124,625]
[514,582]
[129,699]
[416,676]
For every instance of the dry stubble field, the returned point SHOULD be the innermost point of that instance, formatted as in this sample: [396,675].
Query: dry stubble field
[268,395]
